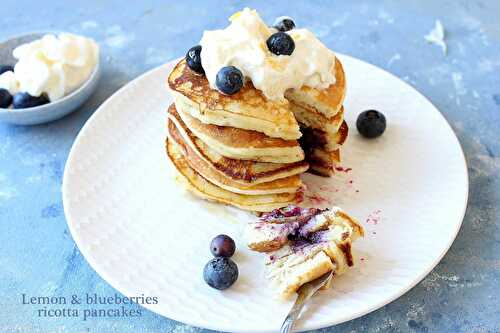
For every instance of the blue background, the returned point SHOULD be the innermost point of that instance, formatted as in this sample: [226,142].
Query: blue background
[38,255]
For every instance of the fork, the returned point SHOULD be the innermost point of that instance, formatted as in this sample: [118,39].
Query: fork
[305,292]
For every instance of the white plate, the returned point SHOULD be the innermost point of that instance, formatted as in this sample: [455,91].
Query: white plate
[144,235]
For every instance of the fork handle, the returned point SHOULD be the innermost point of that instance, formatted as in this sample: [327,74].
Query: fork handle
[291,318]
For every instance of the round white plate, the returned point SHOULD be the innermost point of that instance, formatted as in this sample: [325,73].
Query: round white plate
[145,235]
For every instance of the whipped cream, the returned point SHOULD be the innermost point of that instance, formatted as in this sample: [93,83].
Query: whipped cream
[243,45]
[54,65]
[9,82]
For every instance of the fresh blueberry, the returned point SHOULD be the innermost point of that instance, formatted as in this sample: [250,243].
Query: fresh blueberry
[5,98]
[280,43]
[371,123]
[193,59]
[220,273]
[284,23]
[229,80]
[6,68]
[222,246]
[23,100]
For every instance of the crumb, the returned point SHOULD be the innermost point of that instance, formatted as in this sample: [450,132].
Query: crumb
[374,217]
[342,169]
[317,199]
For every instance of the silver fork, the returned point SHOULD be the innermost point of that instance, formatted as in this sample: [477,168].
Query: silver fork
[305,292]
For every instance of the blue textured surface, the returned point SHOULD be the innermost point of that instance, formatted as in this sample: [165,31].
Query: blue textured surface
[38,256]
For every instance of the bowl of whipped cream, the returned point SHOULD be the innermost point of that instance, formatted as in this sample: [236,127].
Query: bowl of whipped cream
[45,76]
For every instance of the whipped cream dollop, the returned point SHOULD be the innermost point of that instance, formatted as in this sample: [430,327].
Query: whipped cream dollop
[52,65]
[243,45]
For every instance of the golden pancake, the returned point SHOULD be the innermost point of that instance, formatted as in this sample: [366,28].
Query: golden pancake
[247,109]
[202,188]
[322,162]
[289,184]
[326,101]
[243,144]
[312,137]
[240,171]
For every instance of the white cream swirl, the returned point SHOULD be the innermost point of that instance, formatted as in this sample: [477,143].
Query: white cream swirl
[52,65]
[243,45]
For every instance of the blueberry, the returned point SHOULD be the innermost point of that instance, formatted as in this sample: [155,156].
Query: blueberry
[229,80]
[6,68]
[280,43]
[220,273]
[193,59]
[371,123]
[23,100]
[5,98]
[222,246]
[284,23]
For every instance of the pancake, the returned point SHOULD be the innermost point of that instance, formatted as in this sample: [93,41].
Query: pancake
[329,141]
[239,171]
[332,132]
[289,184]
[247,109]
[327,101]
[202,188]
[322,148]
[303,244]
[322,162]
[243,144]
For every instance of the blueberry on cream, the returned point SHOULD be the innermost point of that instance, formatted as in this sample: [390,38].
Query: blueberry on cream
[193,59]
[284,23]
[229,80]
[280,43]
[273,61]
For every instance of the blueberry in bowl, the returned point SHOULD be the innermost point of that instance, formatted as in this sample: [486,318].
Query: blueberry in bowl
[371,124]
[280,43]
[26,110]
[5,98]
[220,273]
[23,100]
[6,68]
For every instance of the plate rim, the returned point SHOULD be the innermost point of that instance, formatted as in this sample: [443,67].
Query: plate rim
[308,326]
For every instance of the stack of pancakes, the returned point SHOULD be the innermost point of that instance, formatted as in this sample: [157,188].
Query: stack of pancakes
[248,151]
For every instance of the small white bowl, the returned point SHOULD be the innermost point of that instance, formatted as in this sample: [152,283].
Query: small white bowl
[50,111]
